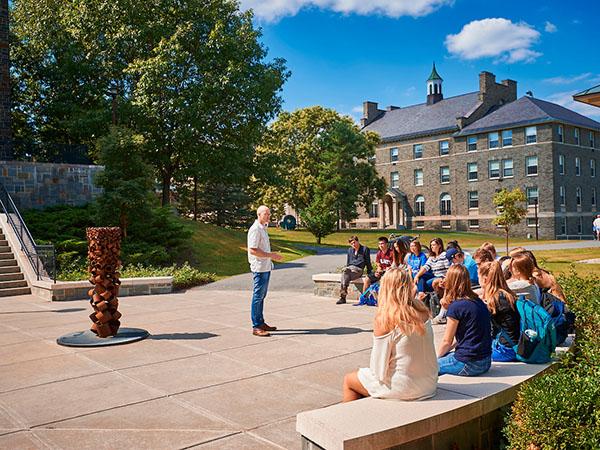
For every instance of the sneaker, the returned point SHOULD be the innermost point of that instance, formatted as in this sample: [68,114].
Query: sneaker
[267,327]
[260,332]
[438,320]
[341,301]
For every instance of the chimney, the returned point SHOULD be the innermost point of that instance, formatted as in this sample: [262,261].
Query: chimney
[512,89]
[487,81]
[391,108]
[370,113]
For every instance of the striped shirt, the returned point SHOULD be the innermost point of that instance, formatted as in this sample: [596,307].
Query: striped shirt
[438,265]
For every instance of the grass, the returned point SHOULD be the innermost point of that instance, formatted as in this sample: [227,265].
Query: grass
[561,261]
[369,237]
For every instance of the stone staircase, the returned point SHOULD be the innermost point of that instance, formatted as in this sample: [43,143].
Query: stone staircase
[12,281]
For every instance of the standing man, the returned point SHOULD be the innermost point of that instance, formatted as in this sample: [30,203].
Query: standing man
[259,257]
[358,258]
[596,225]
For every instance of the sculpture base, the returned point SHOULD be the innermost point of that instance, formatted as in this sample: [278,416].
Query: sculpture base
[89,339]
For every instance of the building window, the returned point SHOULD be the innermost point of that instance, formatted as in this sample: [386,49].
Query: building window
[394,154]
[445,174]
[473,200]
[493,141]
[471,143]
[532,196]
[419,205]
[417,151]
[592,167]
[472,171]
[507,168]
[561,135]
[531,162]
[593,197]
[577,166]
[592,139]
[561,164]
[578,197]
[494,169]
[394,179]
[576,135]
[506,138]
[444,148]
[374,211]
[580,225]
[533,222]
[446,224]
[445,205]
[530,135]
[418,177]
[561,196]
[419,224]
[473,223]
[563,226]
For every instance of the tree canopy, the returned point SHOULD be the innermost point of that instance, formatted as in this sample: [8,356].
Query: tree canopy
[511,212]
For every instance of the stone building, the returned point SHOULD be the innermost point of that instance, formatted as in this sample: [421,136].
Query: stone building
[444,160]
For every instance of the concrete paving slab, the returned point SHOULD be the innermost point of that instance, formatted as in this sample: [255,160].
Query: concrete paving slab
[29,351]
[241,441]
[21,440]
[355,338]
[281,433]
[71,398]
[162,330]
[260,400]
[8,337]
[160,414]
[125,439]
[229,338]
[56,368]
[191,373]
[238,319]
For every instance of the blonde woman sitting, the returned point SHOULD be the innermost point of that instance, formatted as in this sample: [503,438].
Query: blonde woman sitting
[403,361]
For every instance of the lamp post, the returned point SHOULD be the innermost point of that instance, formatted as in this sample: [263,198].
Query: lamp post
[113,93]
[535,215]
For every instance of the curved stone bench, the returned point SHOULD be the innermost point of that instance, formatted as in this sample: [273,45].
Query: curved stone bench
[467,411]
[328,285]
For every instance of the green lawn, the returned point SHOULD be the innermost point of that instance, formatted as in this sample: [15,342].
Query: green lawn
[561,261]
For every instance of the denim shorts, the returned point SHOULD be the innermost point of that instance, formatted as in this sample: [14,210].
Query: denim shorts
[449,364]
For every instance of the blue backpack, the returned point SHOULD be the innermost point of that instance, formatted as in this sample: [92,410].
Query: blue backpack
[564,320]
[538,333]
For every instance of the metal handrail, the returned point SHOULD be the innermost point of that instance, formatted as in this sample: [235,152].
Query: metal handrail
[41,257]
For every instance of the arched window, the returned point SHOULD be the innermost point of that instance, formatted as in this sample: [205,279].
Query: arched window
[445,204]
[419,205]
[430,89]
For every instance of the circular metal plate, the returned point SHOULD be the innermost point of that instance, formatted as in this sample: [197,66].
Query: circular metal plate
[89,339]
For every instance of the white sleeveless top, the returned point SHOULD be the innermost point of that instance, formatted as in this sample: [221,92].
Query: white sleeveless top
[402,367]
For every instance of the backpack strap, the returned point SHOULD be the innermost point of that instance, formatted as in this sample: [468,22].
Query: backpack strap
[505,335]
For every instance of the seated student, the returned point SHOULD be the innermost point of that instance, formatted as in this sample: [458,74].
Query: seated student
[357,259]
[416,258]
[490,248]
[403,364]
[468,331]
[430,275]
[399,246]
[521,280]
[482,255]
[457,256]
[383,261]
[500,301]
[545,280]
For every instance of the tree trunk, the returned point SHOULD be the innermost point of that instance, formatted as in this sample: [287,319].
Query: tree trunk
[319,240]
[166,189]
[195,198]
[506,230]
[123,223]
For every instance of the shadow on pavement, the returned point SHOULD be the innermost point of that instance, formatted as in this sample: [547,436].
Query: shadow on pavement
[289,265]
[45,311]
[182,336]
[331,331]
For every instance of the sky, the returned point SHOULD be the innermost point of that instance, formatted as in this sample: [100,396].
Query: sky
[344,52]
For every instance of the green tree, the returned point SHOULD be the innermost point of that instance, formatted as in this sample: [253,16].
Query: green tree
[126,179]
[320,218]
[511,211]
[317,160]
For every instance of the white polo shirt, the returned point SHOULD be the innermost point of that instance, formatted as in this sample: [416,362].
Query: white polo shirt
[258,238]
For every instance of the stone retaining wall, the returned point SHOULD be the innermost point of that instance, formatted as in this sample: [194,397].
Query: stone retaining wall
[78,290]
[40,185]
[328,285]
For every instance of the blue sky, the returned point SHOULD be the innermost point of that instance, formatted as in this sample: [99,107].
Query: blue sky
[343,52]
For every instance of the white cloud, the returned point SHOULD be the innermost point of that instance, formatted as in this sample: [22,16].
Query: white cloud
[566,99]
[494,38]
[549,27]
[357,109]
[273,10]
[588,77]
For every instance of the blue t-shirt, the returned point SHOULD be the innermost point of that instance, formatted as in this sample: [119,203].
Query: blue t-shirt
[416,262]
[474,332]
[471,266]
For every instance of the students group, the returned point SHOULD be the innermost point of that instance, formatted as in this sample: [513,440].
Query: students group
[476,296]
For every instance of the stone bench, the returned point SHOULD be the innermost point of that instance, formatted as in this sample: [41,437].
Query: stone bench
[328,285]
[467,411]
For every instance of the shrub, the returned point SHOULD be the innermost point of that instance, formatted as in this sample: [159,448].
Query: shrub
[561,409]
[184,276]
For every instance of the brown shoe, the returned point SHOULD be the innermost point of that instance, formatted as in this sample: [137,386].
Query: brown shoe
[267,327]
[260,332]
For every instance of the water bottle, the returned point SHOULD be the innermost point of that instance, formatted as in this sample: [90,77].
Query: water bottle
[531,334]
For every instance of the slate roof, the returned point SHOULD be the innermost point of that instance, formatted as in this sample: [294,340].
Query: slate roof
[527,111]
[423,119]
[592,90]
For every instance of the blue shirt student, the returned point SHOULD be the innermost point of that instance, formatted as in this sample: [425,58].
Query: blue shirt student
[415,262]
